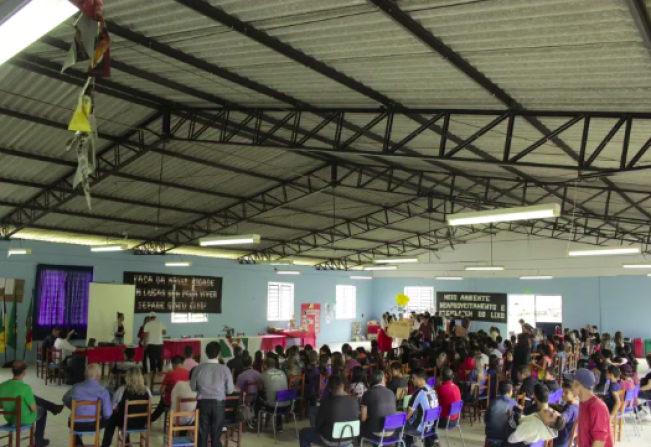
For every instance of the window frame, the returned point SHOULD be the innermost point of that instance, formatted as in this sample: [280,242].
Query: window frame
[280,306]
[190,318]
[348,311]
[420,309]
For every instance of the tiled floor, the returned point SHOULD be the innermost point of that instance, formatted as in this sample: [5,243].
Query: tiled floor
[57,430]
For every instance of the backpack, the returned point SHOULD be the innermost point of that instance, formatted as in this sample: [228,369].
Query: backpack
[245,413]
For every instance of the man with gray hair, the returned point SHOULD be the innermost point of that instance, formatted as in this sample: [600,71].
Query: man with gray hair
[89,390]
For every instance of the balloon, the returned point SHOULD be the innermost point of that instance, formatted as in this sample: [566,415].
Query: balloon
[402,299]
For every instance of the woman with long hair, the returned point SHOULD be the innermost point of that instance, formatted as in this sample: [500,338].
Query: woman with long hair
[133,389]
[292,366]
[358,383]
[257,361]
[376,358]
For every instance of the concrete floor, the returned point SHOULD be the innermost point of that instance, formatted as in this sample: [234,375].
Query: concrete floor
[57,430]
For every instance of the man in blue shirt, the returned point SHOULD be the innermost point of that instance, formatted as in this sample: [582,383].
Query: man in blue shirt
[570,412]
[89,390]
[424,398]
[496,417]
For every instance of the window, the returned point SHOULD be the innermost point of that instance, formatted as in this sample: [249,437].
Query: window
[540,311]
[346,306]
[62,294]
[421,299]
[189,318]
[280,301]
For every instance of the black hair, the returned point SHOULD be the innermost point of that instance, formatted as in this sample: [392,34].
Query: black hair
[17,368]
[187,351]
[120,314]
[258,355]
[213,349]
[345,348]
[279,350]
[308,348]
[237,351]
[335,382]
[396,366]
[326,349]
[614,370]
[607,353]
[505,387]
[420,373]
[270,362]
[542,393]
[63,332]
[129,353]
[247,361]
[177,360]
[359,376]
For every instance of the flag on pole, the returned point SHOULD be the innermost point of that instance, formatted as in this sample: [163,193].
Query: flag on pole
[12,328]
[3,327]
[28,325]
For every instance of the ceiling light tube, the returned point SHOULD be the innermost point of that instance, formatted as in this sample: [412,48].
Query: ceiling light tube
[506,214]
[178,264]
[537,277]
[449,278]
[275,262]
[370,268]
[606,251]
[361,277]
[637,266]
[18,251]
[101,248]
[484,268]
[396,261]
[288,272]
[239,239]
[31,22]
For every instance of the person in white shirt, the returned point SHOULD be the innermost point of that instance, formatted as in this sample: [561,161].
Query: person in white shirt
[543,425]
[64,344]
[154,331]
[117,335]
[494,351]
[182,390]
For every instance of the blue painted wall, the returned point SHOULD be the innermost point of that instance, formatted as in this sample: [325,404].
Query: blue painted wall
[244,304]
[612,303]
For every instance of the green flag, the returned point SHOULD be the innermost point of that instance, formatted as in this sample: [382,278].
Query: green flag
[12,329]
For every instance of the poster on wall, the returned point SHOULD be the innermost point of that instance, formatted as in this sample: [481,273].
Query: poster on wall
[489,307]
[311,318]
[163,293]
[12,289]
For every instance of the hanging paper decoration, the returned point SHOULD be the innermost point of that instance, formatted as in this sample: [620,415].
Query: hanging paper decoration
[402,299]
[91,43]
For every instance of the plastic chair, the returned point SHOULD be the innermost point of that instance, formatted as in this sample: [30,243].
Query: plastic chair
[298,383]
[393,423]
[430,421]
[144,432]
[17,428]
[182,441]
[283,396]
[431,382]
[627,399]
[556,396]
[75,418]
[323,383]
[455,409]
[341,430]
[54,365]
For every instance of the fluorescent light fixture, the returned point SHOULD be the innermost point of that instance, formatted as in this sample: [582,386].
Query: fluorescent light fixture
[449,278]
[484,268]
[380,267]
[536,277]
[361,277]
[506,214]
[396,261]
[637,266]
[230,240]
[606,251]
[19,251]
[31,22]
[288,272]
[178,264]
[275,262]
[99,248]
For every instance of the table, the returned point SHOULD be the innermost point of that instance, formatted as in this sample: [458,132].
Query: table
[251,343]
[110,354]
[307,338]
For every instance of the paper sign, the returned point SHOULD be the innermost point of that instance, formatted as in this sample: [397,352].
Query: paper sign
[311,318]
[399,329]
[490,307]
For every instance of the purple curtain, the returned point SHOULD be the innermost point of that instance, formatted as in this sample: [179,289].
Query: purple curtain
[63,297]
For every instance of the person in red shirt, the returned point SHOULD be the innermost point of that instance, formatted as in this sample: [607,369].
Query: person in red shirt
[448,393]
[594,419]
[178,374]
[468,364]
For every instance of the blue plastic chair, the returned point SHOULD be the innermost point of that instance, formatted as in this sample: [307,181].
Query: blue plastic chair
[17,428]
[430,421]
[537,444]
[431,382]
[144,432]
[392,423]
[455,409]
[627,408]
[85,419]
[288,396]
[556,396]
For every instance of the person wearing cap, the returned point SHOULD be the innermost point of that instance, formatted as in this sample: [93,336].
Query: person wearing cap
[594,418]
[154,331]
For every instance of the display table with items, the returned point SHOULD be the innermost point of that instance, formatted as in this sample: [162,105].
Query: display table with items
[252,343]
[307,338]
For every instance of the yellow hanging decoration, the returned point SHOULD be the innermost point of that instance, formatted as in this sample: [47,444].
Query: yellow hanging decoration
[79,121]
[402,299]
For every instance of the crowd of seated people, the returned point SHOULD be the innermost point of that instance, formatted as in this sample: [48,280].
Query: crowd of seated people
[511,380]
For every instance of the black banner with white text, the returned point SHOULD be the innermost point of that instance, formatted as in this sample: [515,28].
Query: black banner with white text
[489,307]
[163,293]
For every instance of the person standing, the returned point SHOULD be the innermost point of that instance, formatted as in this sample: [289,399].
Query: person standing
[154,331]
[212,382]
[118,330]
[141,343]
[594,419]
[33,408]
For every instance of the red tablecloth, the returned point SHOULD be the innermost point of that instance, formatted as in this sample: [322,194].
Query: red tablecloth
[110,354]
[269,342]
[177,347]
[307,338]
